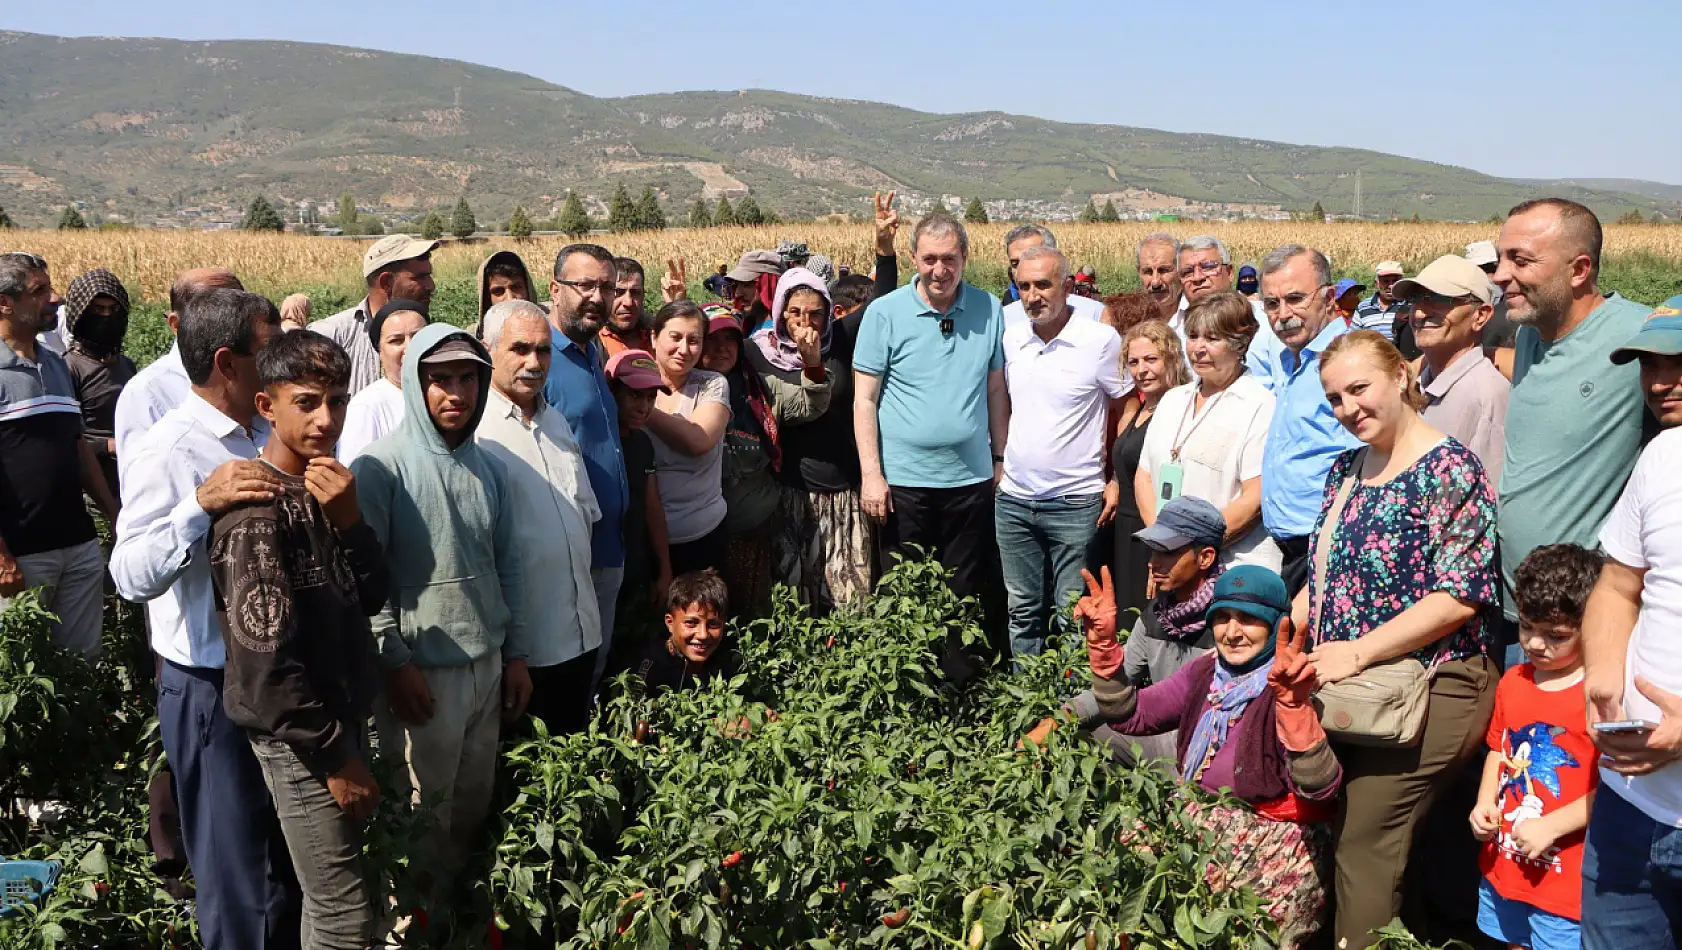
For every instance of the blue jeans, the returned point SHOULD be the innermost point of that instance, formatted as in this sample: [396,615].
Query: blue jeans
[1632,878]
[1043,546]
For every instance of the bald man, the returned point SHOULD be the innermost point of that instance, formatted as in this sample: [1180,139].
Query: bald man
[162,385]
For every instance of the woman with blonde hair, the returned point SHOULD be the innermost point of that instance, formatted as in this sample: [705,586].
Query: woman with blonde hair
[1153,358]
[1403,565]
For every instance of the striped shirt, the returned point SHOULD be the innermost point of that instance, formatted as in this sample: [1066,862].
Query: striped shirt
[40,455]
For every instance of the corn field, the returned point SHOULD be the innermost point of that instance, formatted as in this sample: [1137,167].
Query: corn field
[147,261]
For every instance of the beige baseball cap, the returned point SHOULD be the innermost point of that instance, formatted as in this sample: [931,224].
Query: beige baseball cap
[1450,276]
[393,248]
[1387,267]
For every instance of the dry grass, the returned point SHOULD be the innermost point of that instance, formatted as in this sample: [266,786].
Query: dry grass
[277,264]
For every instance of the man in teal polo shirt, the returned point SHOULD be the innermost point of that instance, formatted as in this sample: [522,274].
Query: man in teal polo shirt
[1574,421]
[930,411]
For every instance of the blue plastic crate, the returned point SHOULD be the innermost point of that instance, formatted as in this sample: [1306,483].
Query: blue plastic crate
[23,882]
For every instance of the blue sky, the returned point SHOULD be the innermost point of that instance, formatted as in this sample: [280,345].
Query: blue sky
[1549,88]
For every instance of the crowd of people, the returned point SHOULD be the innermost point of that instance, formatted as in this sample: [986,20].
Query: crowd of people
[1383,558]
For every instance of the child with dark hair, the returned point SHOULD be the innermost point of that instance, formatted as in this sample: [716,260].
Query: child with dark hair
[1539,778]
[296,578]
[693,650]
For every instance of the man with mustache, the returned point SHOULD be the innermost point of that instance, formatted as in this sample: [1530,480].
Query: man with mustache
[1447,307]
[1206,270]
[553,511]
[1158,258]
[1658,346]
[1305,438]
[396,267]
[580,300]
[1574,422]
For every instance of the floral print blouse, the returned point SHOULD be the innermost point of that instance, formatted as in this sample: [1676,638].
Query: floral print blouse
[1431,528]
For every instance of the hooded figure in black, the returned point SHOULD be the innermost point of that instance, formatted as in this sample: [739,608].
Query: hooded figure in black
[96,312]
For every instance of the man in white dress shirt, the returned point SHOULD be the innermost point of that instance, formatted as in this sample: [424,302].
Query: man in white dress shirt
[196,462]
[565,643]
[162,384]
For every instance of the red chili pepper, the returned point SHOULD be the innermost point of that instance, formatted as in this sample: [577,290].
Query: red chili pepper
[897,919]
[829,644]
[732,859]
[841,887]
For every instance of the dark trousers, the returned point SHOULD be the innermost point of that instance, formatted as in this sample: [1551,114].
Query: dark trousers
[1297,567]
[560,695]
[955,526]
[706,551]
[248,896]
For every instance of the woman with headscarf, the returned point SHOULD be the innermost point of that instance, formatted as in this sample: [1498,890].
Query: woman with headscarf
[760,406]
[378,408]
[96,309]
[825,545]
[1247,730]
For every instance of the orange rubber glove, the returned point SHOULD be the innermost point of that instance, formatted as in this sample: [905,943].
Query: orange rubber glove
[1293,680]
[1096,613]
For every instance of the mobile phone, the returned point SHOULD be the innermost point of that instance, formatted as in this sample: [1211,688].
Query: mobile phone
[1625,727]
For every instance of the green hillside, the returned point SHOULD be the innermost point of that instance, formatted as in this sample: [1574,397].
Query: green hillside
[147,129]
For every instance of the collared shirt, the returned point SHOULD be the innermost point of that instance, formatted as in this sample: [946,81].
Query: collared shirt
[1303,440]
[156,389]
[1085,308]
[162,555]
[1372,314]
[349,329]
[373,413]
[1060,391]
[1469,402]
[1574,425]
[554,508]
[1263,353]
[41,505]
[578,388]
[932,413]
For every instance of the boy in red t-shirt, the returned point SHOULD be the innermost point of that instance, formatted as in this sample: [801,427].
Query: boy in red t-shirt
[1539,777]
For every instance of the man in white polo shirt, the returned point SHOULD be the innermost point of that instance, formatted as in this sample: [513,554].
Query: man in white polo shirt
[1018,241]
[1062,373]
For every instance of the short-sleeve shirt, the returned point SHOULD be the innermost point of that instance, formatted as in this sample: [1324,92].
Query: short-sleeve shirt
[1060,393]
[1573,432]
[41,506]
[692,486]
[1430,528]
[1644,531]
[932,410]
[1546,761]
[1469,401]
[1220,449]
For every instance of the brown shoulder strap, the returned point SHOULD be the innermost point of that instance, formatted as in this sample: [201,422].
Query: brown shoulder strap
[1328,532]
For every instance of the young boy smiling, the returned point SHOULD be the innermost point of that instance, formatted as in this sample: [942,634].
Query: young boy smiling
[693,650]
[296,578]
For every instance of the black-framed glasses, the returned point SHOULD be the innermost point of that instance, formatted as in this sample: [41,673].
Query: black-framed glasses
[1293,301]
[587,287]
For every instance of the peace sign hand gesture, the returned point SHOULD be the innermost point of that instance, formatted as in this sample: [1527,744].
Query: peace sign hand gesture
[675,285]
[1096,613]
[887,223]
[1293,677]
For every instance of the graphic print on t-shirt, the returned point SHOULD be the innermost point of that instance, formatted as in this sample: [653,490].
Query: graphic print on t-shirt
[1530,764]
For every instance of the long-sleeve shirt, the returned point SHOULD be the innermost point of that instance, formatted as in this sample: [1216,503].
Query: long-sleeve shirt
[162,557]
[554,509]
[349,329]
[293,597]
[153,391]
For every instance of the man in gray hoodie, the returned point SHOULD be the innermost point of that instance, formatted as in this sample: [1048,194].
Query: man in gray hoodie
[449,640]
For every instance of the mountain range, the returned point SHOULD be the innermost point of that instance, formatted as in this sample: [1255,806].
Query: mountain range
[160,131]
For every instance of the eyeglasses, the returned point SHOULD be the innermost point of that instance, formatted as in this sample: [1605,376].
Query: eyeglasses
[587,288]
[1293,301]
[1207,267]
[1434,301]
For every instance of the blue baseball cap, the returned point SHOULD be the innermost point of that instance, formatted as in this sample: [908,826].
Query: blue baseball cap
[1661,334]
[1184,521]
[1346,285]
[1247,270]
[1253,591]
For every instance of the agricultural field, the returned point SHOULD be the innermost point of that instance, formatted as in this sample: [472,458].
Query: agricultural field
[1643,262]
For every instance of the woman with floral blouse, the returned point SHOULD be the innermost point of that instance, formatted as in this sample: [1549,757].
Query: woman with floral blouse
[1410,570]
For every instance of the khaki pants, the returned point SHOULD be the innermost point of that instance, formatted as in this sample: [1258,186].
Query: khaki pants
[1386,793]
[449,764]
[76,575]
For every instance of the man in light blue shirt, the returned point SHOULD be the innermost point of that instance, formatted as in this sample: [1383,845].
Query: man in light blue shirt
[930,410]
[1305,438]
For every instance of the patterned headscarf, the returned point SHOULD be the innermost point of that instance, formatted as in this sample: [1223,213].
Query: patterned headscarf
[822,266]
[105,338]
